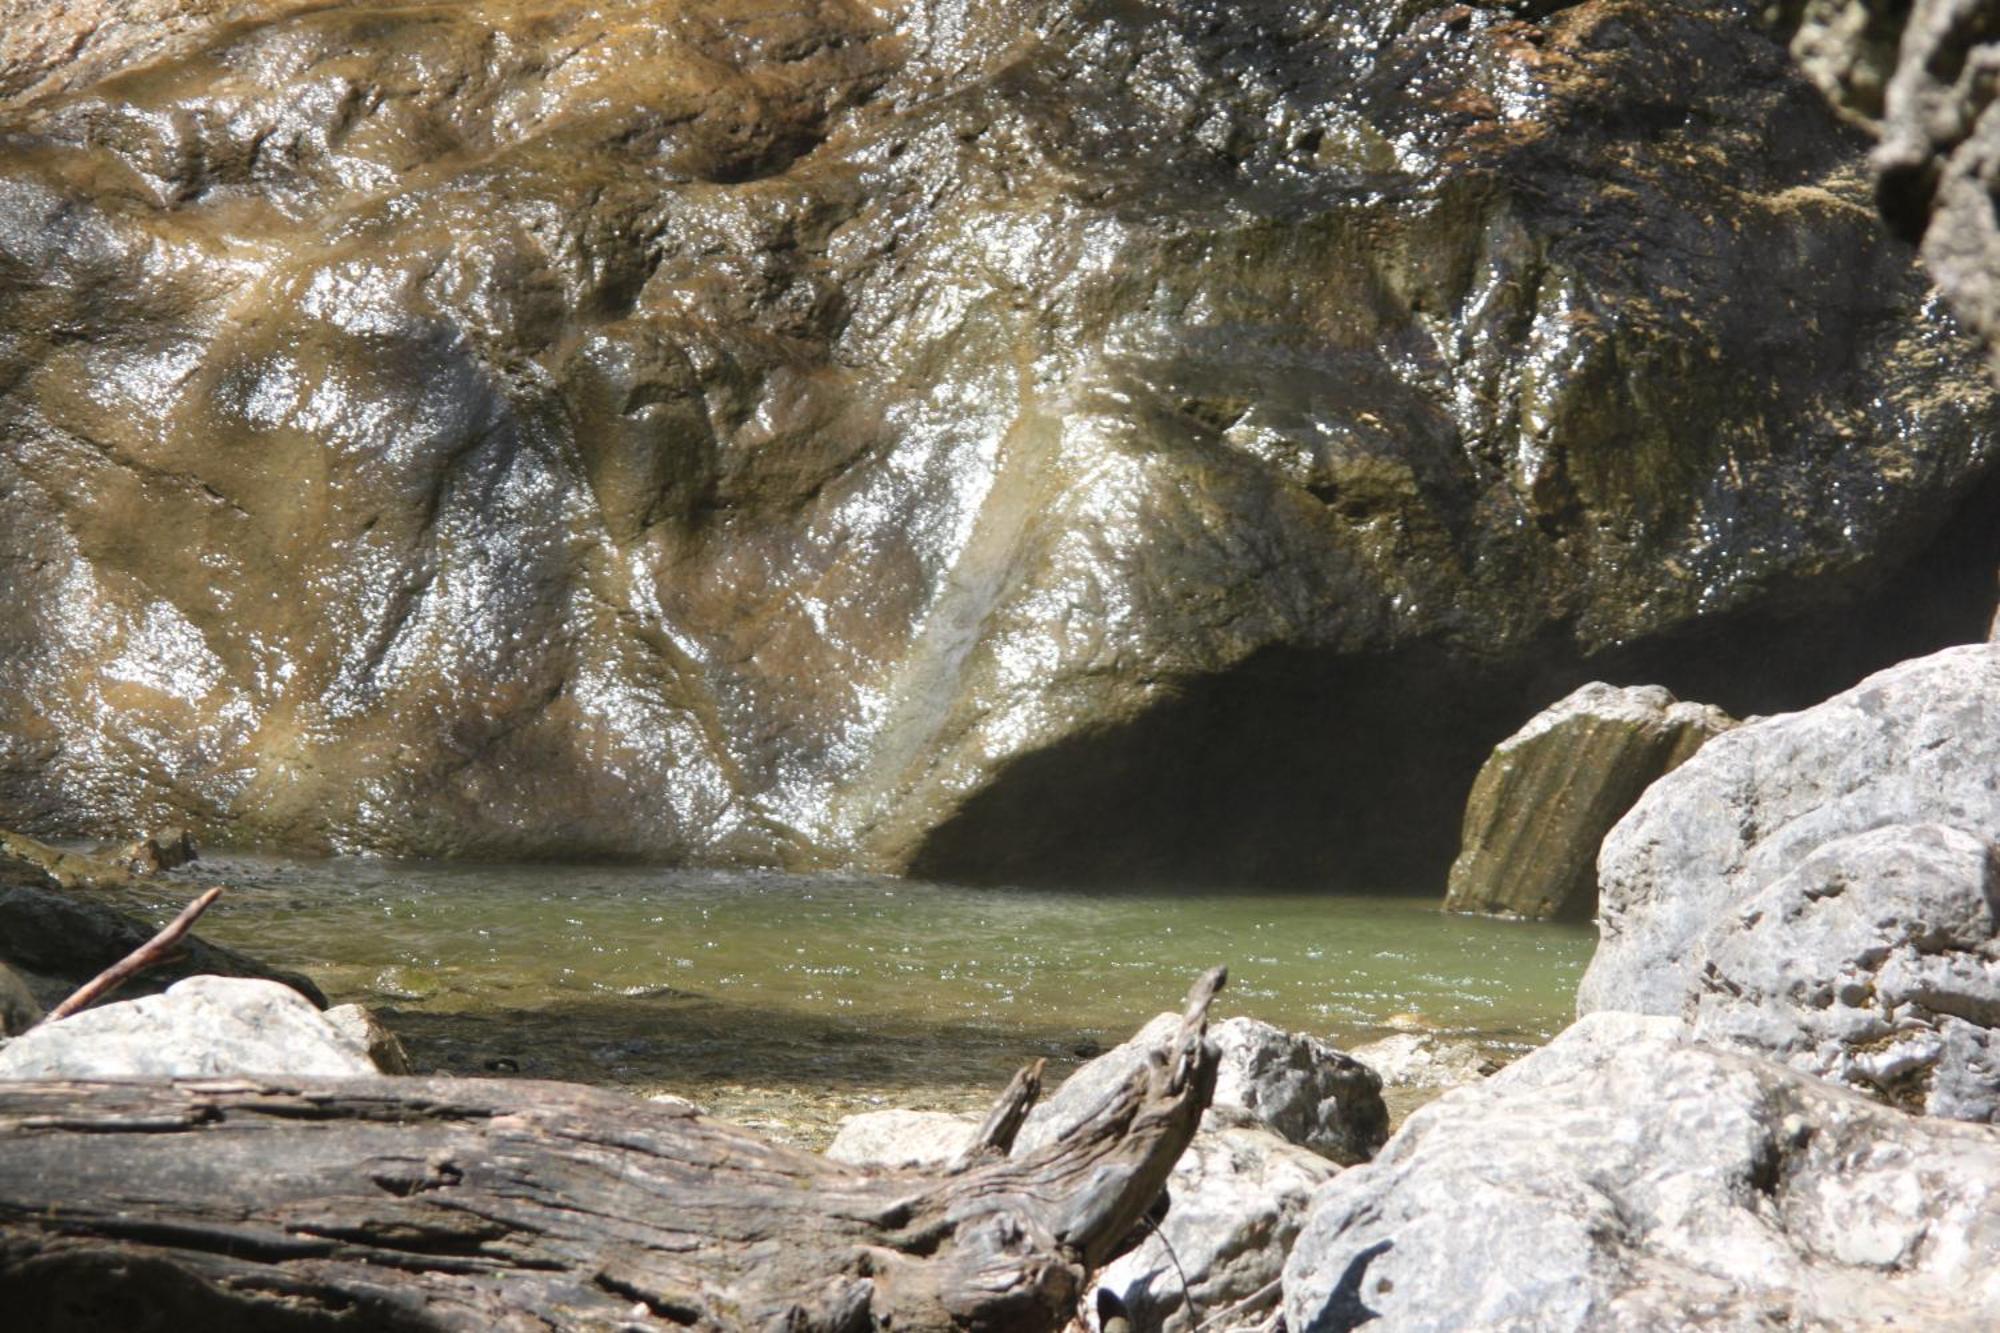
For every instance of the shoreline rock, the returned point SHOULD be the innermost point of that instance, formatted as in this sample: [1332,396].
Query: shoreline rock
[1624,1178]
[1917,743]
[1543,802]
[1302,1089]
[201,1027]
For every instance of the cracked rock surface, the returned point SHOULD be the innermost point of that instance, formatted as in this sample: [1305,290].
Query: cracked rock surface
[1916,744]
[1875,963]
[1622,1178]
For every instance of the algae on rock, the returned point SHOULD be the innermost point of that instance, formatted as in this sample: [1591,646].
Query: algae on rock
[752,435]
[1544,801]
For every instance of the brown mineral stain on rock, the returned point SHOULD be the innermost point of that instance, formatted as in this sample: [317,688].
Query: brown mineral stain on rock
[751,435]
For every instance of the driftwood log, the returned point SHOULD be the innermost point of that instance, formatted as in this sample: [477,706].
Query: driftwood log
[401,1203]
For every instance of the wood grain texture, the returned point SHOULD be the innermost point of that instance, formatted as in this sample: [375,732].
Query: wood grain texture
[435,1204]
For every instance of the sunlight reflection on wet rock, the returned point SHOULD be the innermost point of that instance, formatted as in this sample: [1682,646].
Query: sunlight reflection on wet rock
[750,436]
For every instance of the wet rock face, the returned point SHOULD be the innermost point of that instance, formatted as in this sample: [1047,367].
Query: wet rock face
[1544,801]
[741,434]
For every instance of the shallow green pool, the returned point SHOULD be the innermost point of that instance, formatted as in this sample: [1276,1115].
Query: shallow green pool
[842,991]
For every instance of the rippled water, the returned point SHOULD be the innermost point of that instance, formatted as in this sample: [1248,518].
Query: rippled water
[765,994]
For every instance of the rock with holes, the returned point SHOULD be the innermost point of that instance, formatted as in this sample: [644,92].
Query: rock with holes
[1623,1178]
[1297,1086]
[1876,963]
[984,438]
[1552,790]
[1917,74]
[1237,1199]
[1917,743]
[901,1138]
[198,1028]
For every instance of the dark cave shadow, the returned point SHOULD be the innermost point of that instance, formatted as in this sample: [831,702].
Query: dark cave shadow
[1304,769]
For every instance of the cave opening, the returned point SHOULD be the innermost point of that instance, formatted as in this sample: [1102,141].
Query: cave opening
[1310,770]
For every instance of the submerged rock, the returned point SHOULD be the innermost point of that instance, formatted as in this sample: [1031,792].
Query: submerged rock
[1296,1086]
[1918,743]
[164,849]
[200,1028]
[62,939]
[1622,1179]
[746,434]
[1544,801]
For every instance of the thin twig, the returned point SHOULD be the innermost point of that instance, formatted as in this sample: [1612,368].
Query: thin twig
[141,958]
[1229,1311]
[1187,1296]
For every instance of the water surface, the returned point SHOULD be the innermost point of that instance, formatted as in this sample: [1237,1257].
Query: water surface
[791,998]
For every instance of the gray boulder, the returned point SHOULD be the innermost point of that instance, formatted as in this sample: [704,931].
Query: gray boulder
[1238,1198]
[1875,963]
[1918,743]
[1297,1086]
[1552,790]
[201,1027]
[19,1010]
[359,1025]
[1622,1178]
[902,1139]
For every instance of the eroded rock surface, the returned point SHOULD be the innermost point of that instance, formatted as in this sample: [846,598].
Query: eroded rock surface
[1916,744]
[1620,1178]
[199,1028]
[1920,74]
[1296,1086]
[749,434]
[1876,963]
[1544,801]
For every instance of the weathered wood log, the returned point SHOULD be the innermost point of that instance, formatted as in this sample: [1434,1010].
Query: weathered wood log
[431,1204]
